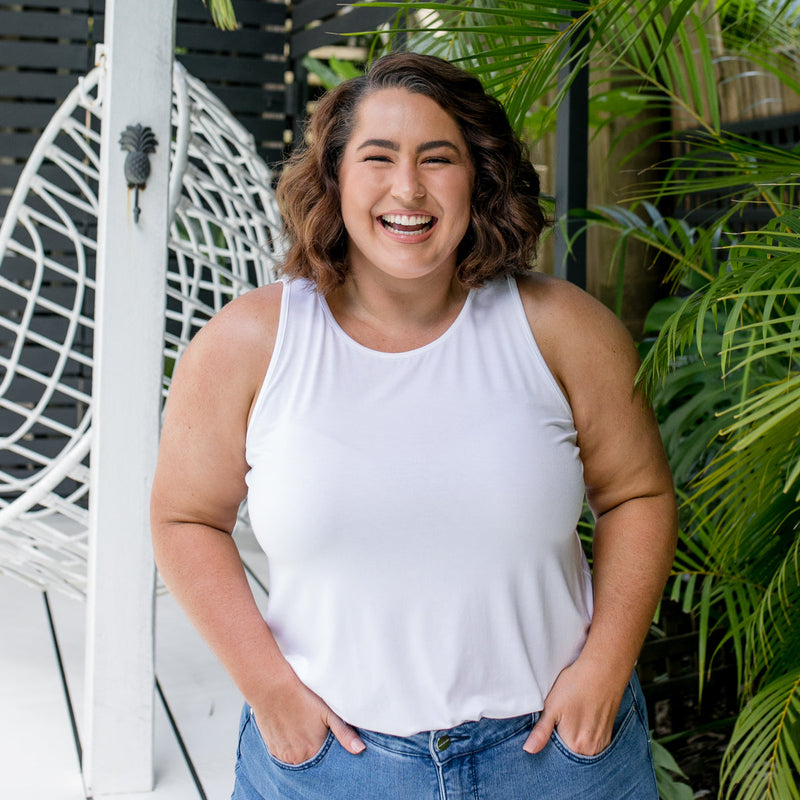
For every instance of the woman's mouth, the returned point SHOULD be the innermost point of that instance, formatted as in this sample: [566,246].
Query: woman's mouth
[407,224]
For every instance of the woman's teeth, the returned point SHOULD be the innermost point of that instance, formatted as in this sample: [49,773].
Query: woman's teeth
[408,224]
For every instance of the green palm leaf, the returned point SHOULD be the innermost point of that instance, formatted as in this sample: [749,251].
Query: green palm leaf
[223,14]
[762,761]
[717,591]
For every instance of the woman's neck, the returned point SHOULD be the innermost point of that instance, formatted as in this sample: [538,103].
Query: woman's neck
[397,315]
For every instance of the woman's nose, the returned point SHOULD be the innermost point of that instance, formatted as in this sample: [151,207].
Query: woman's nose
[407,185]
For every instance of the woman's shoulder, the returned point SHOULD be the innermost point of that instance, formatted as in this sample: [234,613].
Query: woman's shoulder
[250,320]
[579,336]
[551,300]
[234,347]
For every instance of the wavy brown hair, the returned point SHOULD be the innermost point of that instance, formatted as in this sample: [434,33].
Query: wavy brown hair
[506,219]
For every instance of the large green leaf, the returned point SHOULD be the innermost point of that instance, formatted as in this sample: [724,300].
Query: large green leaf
[669,776]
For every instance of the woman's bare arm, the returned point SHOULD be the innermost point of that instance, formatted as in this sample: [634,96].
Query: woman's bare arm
[629,489]
[199,485]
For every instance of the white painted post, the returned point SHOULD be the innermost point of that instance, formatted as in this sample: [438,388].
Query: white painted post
[128,348]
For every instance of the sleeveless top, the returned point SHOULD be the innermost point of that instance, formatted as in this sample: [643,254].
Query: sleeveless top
[419,512]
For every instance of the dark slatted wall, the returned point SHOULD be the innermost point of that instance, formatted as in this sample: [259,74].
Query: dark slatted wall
[244,68]
[44,46]
[316,24]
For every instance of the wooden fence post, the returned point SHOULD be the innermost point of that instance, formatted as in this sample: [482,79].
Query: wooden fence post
[128,348]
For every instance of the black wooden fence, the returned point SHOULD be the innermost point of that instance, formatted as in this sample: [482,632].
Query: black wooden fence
[316,24]
[45,46]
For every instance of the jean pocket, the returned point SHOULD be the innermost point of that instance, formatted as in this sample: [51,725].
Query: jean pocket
[313,761]
[625,716]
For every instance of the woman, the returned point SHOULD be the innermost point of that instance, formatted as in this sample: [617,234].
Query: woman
[415,418]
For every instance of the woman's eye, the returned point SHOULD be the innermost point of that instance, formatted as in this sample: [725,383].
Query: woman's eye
[380,159]
[438,160]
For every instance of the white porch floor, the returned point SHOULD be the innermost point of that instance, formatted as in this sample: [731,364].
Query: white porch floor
[38,754]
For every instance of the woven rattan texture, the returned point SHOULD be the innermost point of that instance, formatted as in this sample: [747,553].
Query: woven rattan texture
[225,238]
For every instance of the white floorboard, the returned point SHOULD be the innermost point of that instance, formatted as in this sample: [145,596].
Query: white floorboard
[38,758]
[201,697]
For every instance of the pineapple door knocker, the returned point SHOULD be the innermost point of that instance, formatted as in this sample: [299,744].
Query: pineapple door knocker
[139,141]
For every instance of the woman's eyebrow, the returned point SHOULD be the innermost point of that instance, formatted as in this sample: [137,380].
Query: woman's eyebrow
[425,146]
[385,143]
[435,145]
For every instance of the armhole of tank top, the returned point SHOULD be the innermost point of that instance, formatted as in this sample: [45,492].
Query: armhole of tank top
[274,360]
[522,320]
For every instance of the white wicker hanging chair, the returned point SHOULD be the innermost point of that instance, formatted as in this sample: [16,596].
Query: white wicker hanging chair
[225,238]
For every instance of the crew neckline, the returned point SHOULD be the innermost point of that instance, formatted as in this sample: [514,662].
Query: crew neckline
[446,334]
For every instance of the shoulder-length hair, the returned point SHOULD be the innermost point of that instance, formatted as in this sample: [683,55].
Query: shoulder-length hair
[506,218]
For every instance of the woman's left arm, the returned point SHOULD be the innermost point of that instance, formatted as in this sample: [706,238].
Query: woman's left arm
[629,489]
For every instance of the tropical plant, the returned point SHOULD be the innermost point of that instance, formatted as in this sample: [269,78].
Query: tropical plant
[669,775]
[739,565]
[332,73]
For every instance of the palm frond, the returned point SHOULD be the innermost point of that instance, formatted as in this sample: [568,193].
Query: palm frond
[762,761]
[720,163]
[223,14]
[774,629]
[721,597]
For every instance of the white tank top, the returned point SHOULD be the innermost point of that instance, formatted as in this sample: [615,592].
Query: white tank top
[419,513]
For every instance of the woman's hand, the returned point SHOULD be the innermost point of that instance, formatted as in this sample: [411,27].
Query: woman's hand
[583,705]
[295,724]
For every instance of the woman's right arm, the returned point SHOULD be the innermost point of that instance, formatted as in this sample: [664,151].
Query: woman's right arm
[199,484]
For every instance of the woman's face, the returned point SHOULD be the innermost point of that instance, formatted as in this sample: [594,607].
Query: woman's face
[406,183]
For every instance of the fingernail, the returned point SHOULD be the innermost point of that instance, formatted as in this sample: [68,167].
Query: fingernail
[358,746]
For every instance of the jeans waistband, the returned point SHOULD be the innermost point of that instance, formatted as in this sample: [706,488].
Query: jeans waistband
[445,744]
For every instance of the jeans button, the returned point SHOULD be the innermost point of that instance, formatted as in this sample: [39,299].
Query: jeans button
[443,742]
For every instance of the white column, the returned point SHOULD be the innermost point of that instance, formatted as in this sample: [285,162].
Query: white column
[128,347]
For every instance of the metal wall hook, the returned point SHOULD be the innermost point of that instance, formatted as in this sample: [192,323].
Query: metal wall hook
[139,141]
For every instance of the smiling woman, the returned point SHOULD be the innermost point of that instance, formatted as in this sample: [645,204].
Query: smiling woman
[415,418]
[406,199]
[505,219]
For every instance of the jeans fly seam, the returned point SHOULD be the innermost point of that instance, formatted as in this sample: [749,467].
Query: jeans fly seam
[440,779]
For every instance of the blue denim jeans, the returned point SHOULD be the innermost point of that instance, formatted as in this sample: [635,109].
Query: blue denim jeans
[481,760]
